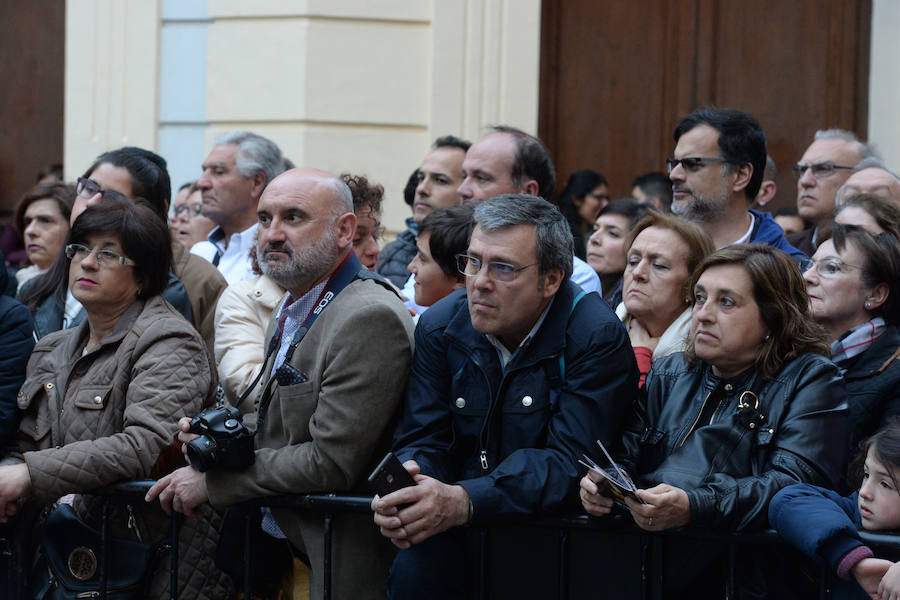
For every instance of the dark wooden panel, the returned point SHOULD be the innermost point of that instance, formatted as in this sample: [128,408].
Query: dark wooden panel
[797,66]
[32,61]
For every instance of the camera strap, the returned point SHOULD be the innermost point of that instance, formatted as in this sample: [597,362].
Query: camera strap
[349,270]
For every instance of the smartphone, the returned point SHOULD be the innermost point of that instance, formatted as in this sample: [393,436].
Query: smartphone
[390,476]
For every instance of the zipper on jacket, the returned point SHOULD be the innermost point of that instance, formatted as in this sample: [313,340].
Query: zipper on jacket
[132,523]
[694,424]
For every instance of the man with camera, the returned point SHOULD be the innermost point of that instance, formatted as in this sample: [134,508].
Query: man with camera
[338,357]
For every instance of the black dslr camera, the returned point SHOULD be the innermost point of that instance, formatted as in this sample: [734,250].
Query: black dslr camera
[223,441]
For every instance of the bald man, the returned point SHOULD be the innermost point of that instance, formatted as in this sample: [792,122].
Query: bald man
[331,394]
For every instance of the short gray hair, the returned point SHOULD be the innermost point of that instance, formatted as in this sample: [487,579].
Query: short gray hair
[865,150]
[555,247]
[255,154]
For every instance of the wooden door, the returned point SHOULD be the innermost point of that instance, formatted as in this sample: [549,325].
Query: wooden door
[617,75]
[32,61]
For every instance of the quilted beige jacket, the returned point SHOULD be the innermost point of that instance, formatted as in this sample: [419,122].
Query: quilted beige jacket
[106,416]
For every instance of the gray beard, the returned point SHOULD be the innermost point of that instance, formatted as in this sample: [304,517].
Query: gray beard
[704,209]
[305,265]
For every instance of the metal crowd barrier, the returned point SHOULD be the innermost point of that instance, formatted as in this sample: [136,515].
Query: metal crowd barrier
[14,546]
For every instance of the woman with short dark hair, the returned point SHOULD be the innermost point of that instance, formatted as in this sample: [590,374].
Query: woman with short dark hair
[101,401]
[42,217]
[853,283]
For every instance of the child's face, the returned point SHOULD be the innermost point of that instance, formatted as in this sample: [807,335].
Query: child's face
[879,501]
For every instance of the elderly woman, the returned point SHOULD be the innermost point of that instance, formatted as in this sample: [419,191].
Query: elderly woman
[753,404]
[872,213]
[42,217]
[660,256]
[188,223]
[101,402]
[606,246]
[853,282]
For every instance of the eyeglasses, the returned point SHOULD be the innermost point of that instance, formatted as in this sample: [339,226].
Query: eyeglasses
[691,164]
[88,188]
[193,210]
[498,271]
[819,170]
[826,267]
[105,258]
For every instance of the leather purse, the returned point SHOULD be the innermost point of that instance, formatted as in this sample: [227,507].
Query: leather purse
[69,566]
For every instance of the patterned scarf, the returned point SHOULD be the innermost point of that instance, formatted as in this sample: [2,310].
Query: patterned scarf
[857,340]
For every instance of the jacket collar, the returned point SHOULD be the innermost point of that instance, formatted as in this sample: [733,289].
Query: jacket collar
[549,340]
[878,356]
[78,339]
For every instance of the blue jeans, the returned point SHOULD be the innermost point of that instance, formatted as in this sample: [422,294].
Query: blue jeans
[434,569]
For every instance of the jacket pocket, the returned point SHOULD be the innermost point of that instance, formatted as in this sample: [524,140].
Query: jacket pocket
[296,405]
[91,397]
[37,417]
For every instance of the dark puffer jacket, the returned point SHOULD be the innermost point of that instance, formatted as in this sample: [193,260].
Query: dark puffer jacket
[395,256]
[108,415]
[732,466]
[16,344]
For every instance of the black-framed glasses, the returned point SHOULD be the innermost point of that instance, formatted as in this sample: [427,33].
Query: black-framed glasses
[192,210]
[498,271]
[105,258]
[691,164]
[88,188]
[819,170]
[827,267]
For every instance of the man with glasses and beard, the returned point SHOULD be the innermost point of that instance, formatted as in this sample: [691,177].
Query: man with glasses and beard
[514,377]
[716,171]
[339,352]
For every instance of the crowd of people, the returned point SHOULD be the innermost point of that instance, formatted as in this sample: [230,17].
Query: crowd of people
[731,370]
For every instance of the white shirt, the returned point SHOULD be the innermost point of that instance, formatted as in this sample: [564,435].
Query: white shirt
[745,239]
[585,276]
[234,261]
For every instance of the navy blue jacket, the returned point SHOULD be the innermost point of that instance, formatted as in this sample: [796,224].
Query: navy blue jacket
[820,523]
[767,231]
[16,344]
[511,437]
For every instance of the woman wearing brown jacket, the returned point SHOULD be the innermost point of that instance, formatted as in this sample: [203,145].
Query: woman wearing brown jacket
[101,401]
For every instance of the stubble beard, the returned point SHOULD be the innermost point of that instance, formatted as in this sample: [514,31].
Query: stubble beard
[704,208]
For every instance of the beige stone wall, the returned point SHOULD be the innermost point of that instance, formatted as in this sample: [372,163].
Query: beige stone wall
[344,85]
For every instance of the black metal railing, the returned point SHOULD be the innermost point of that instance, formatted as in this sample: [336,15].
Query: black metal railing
[14,547]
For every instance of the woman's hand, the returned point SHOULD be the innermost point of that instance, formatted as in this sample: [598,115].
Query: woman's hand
[666,507]
[640,336]
[15,483]
[889,588]
[595,496]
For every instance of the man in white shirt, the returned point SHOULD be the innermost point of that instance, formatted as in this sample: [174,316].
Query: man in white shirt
[235,173]
[509,161]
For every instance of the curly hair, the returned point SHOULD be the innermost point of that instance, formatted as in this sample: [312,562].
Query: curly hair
[365,193]
[780,293]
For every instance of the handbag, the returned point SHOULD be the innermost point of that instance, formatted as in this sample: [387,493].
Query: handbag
[69,566]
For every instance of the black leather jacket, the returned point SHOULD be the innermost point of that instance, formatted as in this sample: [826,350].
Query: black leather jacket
[733,460]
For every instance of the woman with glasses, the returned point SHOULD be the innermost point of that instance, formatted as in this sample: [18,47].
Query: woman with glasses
[194,285]
[660,255]
[188,224]
[853,283]
[101,401]
[42,217]
[585,195]
[751,405]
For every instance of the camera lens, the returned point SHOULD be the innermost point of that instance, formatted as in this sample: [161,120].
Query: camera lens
[201,452]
